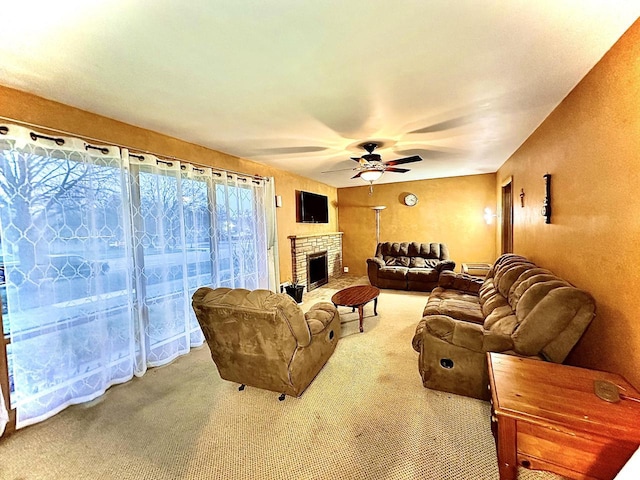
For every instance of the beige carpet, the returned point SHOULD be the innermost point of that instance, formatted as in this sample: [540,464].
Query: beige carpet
[366,416]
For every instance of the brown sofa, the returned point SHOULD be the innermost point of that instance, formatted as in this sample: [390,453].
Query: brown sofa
[408,265]
[262,339]
[518,308]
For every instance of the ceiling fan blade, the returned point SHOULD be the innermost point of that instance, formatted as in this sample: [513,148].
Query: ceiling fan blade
[400,161]
[355,159]
[397,170]
[340,170]
[372,157]
[290,150]
[357,175]
[431,153]
[446,125]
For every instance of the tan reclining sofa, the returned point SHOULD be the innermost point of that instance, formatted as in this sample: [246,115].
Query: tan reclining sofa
[519,309]
[408,265]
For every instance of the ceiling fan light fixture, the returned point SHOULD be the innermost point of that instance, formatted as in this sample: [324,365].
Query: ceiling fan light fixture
[371,175]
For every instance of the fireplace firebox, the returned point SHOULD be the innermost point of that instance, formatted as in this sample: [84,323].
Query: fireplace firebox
[317,266]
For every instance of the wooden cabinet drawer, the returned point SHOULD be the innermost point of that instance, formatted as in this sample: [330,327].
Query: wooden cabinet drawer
[588,455]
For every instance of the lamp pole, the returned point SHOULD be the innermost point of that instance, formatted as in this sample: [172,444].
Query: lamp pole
[377,209]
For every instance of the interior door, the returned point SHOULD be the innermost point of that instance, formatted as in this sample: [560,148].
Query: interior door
[507,216]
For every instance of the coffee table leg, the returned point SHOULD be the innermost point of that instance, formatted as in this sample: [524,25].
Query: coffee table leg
[375,306]
[361,315]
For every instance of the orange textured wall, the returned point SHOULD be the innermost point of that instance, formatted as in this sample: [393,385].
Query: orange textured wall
[590,145]
[39,111]
[449,210]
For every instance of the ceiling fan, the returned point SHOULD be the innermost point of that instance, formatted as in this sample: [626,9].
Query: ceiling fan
[371,167]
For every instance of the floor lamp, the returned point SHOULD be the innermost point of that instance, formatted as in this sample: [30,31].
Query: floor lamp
[377,210]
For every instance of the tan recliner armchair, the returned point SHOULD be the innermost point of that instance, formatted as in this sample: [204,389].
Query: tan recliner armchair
[262,339]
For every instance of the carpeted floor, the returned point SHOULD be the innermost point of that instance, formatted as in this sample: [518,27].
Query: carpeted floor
[366,416]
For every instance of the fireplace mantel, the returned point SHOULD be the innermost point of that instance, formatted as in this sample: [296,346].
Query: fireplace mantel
[310,235]
[304,245]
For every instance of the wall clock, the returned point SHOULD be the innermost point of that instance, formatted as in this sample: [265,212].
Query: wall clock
[410,200]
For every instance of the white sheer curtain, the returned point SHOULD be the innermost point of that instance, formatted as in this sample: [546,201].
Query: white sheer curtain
[240,232]
[272,235]
[159,253]
[101,252]
[68,293]
[4,414]
[197,203]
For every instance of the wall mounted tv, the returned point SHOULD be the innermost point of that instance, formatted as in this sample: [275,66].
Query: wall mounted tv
[313,208]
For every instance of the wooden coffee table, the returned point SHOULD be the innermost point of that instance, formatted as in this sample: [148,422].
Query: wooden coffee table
[546,416]
[357,297]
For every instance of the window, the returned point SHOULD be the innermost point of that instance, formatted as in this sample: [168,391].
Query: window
[101,252]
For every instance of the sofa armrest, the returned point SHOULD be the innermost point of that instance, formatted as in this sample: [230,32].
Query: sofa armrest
[375,261]
[455,332]
[445,265]
[459,281]
[464,334]
[417,338]
[373,266]
[319,316]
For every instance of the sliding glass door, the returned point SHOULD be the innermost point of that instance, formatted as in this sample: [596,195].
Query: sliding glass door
[67,293]
[240,233]
[101,253]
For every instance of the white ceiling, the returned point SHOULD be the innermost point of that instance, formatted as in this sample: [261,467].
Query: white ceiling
[300,84]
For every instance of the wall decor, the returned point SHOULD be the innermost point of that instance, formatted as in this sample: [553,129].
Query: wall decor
[522,198]
[410,199]
[546,205]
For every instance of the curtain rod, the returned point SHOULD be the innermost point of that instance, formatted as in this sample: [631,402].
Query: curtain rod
[99,140]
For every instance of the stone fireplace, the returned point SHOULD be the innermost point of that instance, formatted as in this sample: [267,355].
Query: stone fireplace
[316,258]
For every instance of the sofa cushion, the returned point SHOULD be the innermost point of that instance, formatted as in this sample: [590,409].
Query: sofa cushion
[394,249]
[393,273]
[546,312]
[422,275]
[527,280]
[440,293]
[421,262]
[509,276]
[459,281]
[456,306]
[400,261]
[491,302]
[417,262]
[436,251]
[501,321]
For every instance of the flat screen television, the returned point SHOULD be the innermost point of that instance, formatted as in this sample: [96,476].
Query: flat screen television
[313,208]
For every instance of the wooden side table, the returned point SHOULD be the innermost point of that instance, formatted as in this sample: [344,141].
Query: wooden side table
[546,416]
